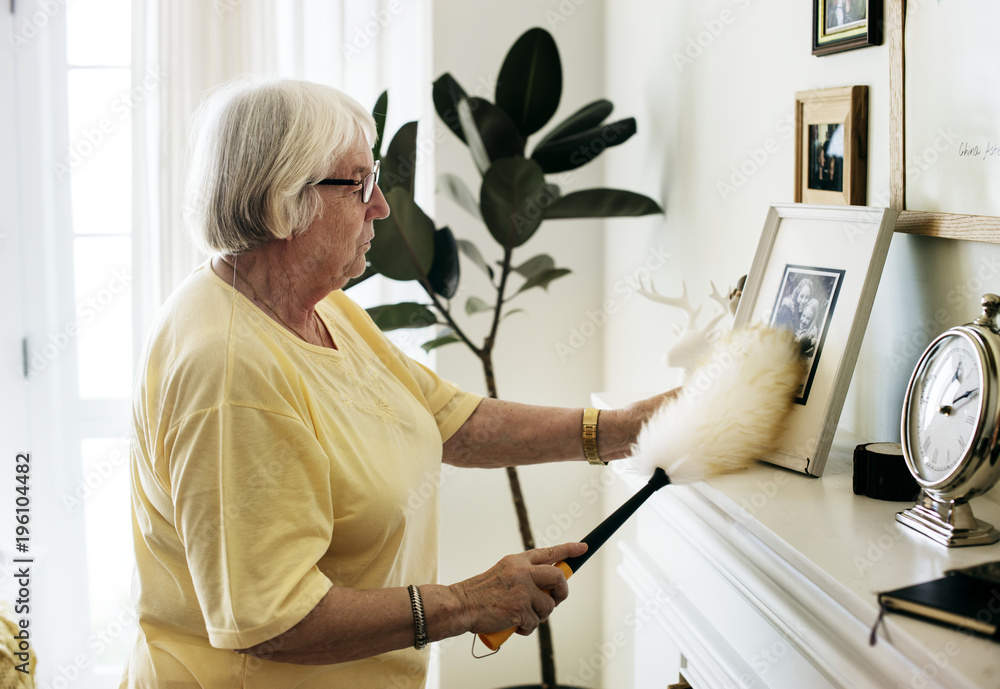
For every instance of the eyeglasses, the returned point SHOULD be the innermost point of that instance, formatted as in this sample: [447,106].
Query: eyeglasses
[367,184]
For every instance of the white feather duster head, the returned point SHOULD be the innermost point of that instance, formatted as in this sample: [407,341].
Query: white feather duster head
[731,412]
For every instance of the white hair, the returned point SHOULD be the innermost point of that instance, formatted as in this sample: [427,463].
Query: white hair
[258,147]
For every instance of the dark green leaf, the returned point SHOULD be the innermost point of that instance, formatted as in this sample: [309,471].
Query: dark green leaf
[498,132]
[511,313]
[444,273]
[406,314]
[570,152]
[453,187]
[513,199]
[403,248]
[585,118]
[530,82]
[399,164]
[601,203]
[379,112]
[470,250]
[544,278]
[534,266]
[439,342]
[476,305]
[446,94]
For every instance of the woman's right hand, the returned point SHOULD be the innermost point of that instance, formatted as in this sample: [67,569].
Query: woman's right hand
[520,591]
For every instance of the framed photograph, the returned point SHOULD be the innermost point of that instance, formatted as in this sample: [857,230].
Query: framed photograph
[831,146]
[815,273]
[840,25]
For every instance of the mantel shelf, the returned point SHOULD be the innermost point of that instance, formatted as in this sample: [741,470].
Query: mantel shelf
[769,558]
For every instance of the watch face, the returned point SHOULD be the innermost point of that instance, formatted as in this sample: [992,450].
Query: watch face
[944,407]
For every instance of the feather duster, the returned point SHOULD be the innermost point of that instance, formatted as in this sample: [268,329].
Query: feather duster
[732,411]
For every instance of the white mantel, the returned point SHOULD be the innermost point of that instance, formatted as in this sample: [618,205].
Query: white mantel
[768,578]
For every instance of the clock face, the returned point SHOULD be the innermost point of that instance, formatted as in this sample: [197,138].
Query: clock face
[944,407]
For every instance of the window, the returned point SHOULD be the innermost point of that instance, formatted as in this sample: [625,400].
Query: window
[98,165]
[70,260]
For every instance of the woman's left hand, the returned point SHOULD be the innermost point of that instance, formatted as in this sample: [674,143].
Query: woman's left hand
[618,429]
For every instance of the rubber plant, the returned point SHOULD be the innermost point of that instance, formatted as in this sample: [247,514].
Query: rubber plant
[514,200]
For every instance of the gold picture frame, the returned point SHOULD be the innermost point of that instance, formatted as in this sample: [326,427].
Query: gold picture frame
[831,150]
[840,25]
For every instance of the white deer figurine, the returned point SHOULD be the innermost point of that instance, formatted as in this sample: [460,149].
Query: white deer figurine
[692,341]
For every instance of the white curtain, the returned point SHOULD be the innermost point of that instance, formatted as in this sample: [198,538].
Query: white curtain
[182,48]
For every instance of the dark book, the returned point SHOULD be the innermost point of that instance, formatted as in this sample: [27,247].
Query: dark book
[963,599]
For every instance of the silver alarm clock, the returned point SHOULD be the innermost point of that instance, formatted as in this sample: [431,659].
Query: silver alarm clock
[951,417]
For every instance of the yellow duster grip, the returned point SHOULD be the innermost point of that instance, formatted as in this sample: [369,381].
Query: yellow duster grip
[494,640]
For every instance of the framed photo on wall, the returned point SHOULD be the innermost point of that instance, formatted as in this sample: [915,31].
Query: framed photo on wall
[840,25]
[831,146]
[815,272]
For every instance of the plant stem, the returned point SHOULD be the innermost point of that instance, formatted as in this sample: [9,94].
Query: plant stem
[485,353]
[546,649]
[446,312]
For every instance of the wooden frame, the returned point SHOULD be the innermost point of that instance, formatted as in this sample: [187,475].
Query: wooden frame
[832,119]
[975,227]
[816,271]
[836,28]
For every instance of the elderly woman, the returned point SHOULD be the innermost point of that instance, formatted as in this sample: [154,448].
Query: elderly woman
[279,434]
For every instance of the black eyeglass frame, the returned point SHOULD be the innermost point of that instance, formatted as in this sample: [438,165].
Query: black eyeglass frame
[367,183]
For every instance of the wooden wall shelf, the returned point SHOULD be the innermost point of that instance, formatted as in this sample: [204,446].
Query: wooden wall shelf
[978,228]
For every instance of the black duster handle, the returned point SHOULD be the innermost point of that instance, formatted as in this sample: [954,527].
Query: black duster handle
[603,531]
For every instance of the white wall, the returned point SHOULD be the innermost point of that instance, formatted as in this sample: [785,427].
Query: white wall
[729,110]
[715,81]
[478,521]
[712,85]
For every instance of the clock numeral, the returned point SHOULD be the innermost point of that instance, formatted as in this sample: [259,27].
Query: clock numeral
[970,420]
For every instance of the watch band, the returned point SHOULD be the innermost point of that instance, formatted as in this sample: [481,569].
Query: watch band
[590,416]
[880,472]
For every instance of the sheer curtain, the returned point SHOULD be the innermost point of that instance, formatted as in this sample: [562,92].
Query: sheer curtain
[184,47]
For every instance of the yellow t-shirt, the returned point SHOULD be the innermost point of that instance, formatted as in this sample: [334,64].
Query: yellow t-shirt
[266,470]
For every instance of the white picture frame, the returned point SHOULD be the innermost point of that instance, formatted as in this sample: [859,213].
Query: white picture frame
[816,271]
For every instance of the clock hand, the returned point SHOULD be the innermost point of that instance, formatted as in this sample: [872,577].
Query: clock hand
[965,394]
[948,409]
